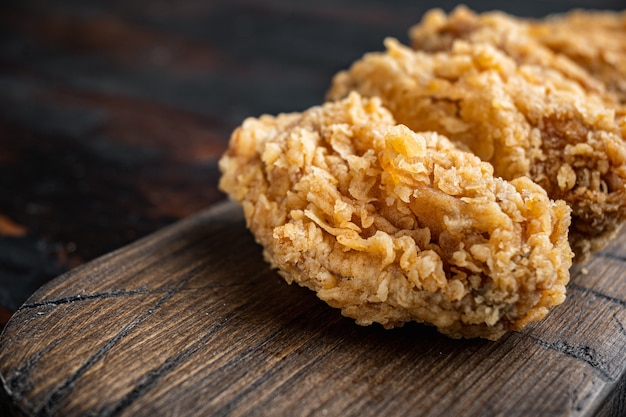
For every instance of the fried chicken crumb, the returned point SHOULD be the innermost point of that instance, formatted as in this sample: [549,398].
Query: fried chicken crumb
[391,226]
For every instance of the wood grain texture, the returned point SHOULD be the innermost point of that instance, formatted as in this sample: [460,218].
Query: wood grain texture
[191,321]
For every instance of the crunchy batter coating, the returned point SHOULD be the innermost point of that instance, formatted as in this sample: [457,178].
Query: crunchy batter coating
[393,226]
[594,40]
[524,118]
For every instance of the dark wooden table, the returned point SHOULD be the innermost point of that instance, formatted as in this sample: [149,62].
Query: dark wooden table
[113,114]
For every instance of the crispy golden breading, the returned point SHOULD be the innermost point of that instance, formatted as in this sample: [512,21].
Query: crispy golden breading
[594,40]
[524,118]
[393,226]
[438,32]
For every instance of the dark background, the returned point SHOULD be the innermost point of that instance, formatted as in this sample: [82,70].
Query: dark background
[113,114]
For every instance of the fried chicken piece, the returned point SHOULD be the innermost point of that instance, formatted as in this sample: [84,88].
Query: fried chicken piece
[526,119]
[393,226]
[594,40]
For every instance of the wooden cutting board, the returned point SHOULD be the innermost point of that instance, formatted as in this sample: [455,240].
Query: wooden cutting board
[190,321]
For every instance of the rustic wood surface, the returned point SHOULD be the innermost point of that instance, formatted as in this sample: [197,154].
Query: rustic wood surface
[112,117]
[191,322]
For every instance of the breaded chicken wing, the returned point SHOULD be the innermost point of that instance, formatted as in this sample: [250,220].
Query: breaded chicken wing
[392,226]
[526,119]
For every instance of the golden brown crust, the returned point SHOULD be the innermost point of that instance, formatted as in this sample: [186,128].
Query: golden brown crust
[554,124]
[584,56]
[587,47]
[595,40]
[393,226]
